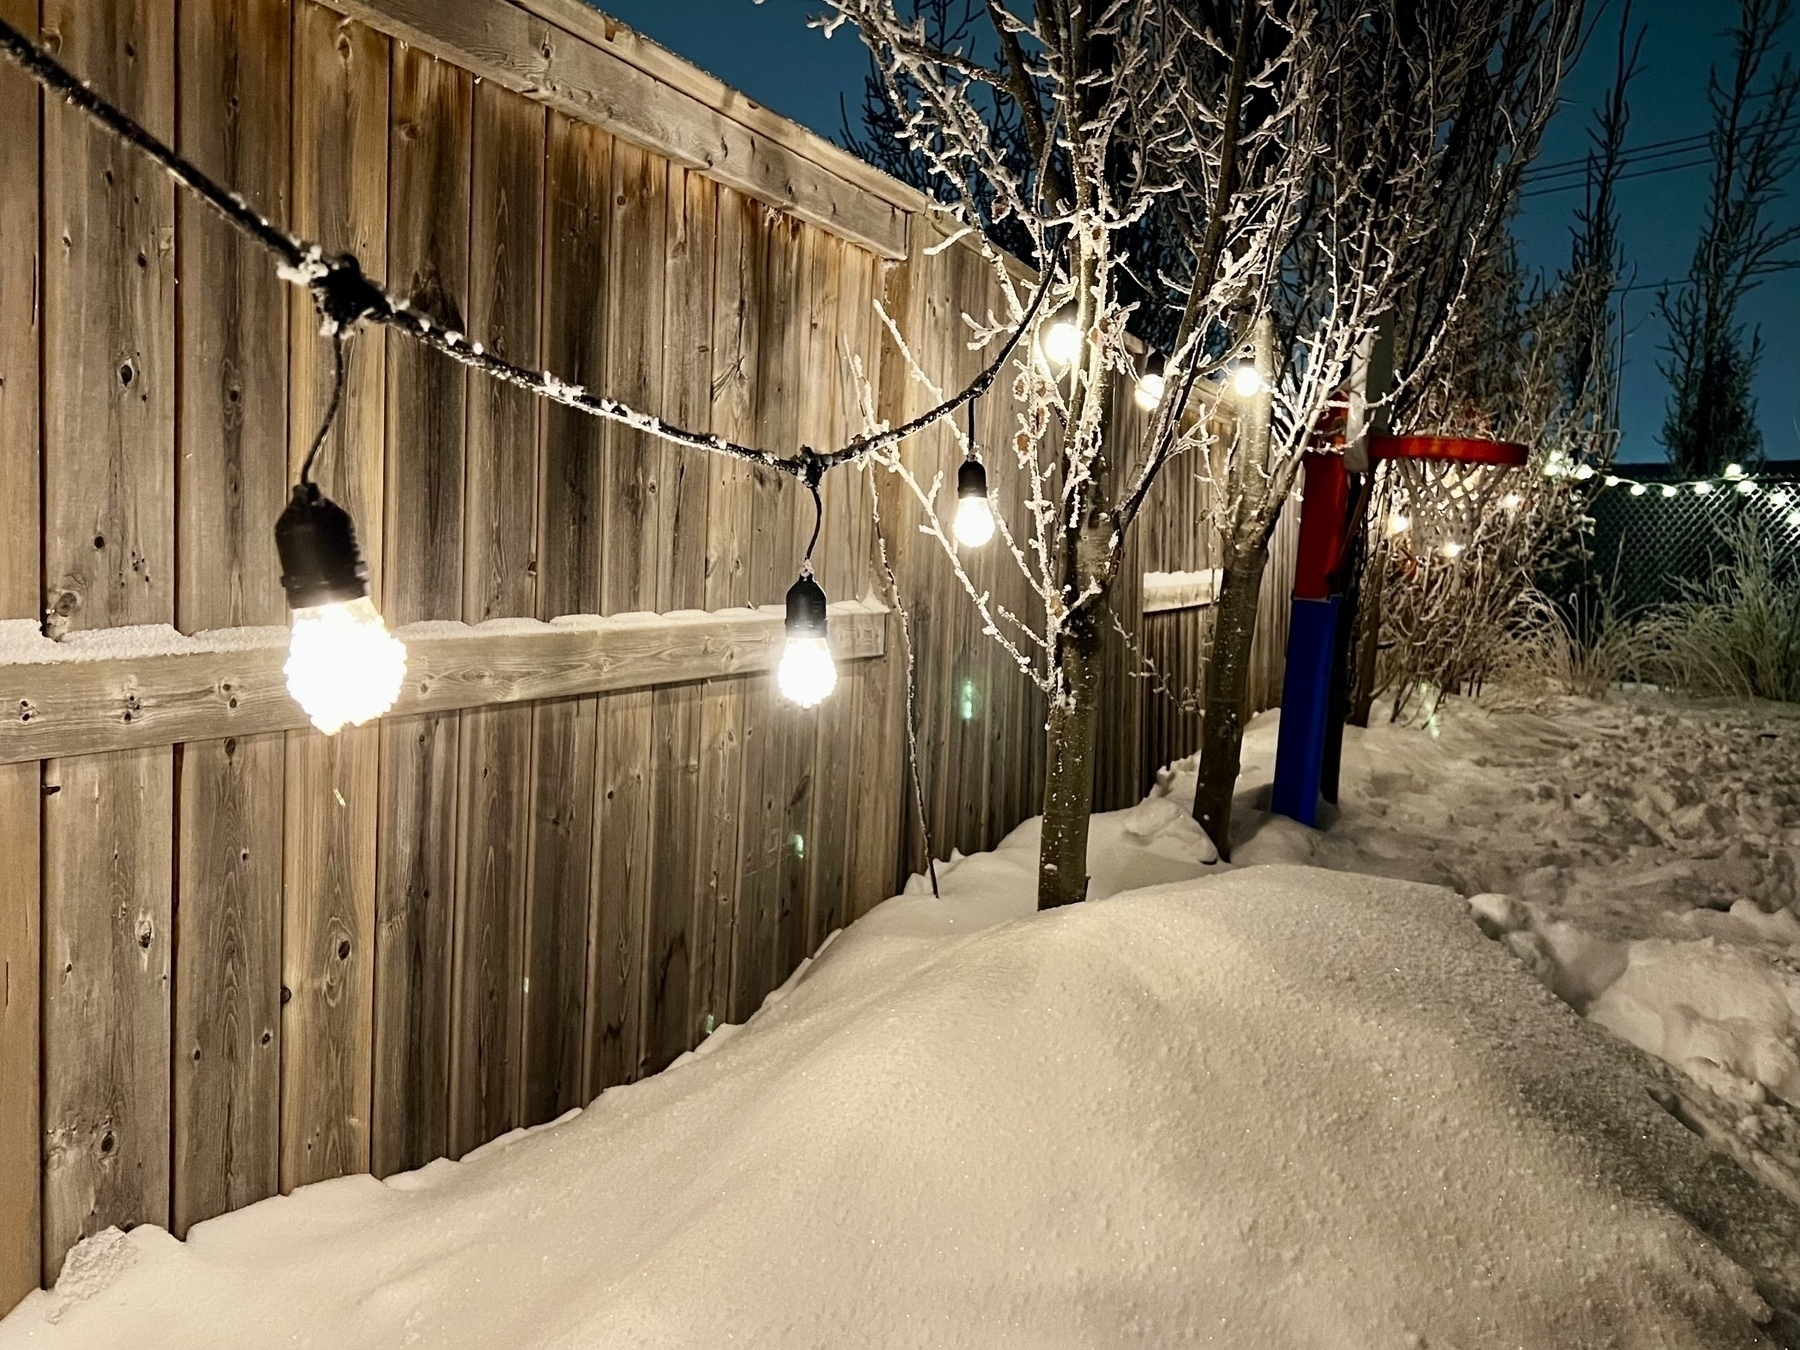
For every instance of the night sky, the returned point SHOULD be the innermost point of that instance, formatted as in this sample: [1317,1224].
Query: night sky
[765,50]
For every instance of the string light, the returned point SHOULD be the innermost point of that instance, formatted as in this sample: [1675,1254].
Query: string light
[807,673]
[343,667]
[1153,383]
[1702,489]
[1246,381]
[1638,489]
[1061,342]
[1734,471]
[1399,523]
[1453,549]
[1669,490]
[1512,501]
[974,524]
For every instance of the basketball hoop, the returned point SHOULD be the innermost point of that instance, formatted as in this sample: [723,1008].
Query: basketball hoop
[1450,450]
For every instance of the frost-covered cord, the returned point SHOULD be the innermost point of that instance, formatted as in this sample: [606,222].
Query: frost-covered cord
[331,409]
[347,299]
[811,471]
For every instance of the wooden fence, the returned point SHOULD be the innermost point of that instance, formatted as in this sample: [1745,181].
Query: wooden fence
[239,956]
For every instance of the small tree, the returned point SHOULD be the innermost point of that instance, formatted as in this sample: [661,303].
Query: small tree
[1191,120]
[1712,361]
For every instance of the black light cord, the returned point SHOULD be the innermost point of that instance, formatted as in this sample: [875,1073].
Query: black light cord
[346,298]
[331,409]
[812,469]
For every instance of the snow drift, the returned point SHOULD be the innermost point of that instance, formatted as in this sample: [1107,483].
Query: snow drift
[1276,1108]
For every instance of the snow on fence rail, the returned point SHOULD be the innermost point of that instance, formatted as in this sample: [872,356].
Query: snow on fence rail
[275,957]
[152,686]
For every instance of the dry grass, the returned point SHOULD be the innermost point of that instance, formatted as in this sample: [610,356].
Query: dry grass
[1737,635]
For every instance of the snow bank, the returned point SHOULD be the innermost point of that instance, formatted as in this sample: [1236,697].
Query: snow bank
[1640,856]
[1273,1108]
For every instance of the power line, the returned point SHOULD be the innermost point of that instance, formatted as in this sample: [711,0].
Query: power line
[1621,178]
[1696,139]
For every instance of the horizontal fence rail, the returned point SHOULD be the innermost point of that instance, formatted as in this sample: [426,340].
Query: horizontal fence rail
[145,686]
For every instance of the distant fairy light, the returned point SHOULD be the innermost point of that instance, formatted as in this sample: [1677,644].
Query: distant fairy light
[1638,489]
[1246,381]
[1399,523]
[1669,490]
[1153,383]
[1453,549]
[1061,342]
[1734,471]
[1702,489]
[1512,501]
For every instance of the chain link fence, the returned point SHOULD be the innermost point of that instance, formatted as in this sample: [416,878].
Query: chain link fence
[1654,536]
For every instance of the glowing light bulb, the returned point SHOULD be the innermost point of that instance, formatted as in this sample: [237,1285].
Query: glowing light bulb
[1584,472]
[1638,489]
[1747,487]
[1152,384]
[1512,501]
[1452,549]
[974,524]
[1734,471]
[807,674]
[1246,381]
[1702,489]
[1794,519]
[1061,342]
[343,667]
[1781,497]
[1613,480]
[1399,523]
[1668,490]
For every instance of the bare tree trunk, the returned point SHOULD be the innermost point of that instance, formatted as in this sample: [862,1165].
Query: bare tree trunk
[1069,771]
[1227,693]
[1234,627]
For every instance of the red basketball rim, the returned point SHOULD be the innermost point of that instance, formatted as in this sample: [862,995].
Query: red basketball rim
[1450,449]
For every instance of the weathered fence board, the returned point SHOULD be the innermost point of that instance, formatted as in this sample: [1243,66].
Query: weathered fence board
[227,998]
[109,558]
[232,62]
[340,195]
[429,153]
[107,943]
[21,596]
[21,1133]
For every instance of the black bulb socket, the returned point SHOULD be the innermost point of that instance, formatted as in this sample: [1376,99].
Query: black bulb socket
[971,479]
[320,562]
[805,609]
[1158,364]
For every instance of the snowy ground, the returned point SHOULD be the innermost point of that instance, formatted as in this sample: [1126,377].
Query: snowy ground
[1262,1107]
[1641,855]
